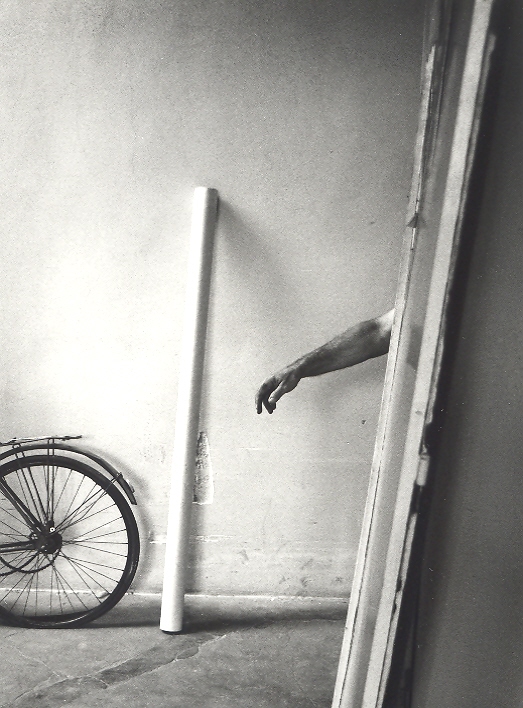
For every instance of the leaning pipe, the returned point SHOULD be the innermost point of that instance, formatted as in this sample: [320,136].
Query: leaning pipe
[205,206]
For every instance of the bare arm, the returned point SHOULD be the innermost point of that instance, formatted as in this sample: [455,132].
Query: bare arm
[360,342]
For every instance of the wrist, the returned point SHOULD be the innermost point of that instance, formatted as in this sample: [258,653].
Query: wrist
[300,368]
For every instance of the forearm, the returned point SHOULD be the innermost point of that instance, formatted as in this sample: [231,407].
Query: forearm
[360,342]
[363,341]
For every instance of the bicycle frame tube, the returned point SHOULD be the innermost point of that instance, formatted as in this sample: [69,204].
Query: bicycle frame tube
[15,500]
[20,546]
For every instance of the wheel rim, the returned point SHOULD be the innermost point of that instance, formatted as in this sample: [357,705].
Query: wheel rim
[80,554]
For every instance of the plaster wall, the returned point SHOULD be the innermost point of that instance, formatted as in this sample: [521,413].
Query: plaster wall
[303,116]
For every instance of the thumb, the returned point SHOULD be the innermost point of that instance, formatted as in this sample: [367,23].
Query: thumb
[287,384]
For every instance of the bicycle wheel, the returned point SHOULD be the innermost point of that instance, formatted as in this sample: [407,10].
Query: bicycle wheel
[69,543]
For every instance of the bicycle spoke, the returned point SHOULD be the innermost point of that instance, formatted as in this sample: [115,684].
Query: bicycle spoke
[76,566]
[80,513]
[60,586]
[13,516]
[35,498]
[23,490]
[16,564]
[64,487]
[21,553]
[73,500]
[50,478]
[88,503]
[14,587]
[101,526]
[51,591]
[84,517]
[80,541]
[64,583]
[15,534]
[102,550]
[61,582]
[93,566]
[29,581]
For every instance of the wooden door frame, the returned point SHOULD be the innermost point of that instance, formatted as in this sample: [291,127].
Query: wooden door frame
[365,660]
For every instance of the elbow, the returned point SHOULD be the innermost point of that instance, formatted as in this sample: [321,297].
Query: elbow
[382,342]
[384,324]
[378,334]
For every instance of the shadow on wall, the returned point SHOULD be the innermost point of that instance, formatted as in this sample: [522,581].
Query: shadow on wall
[271,294]
[324,433]
[275,304]
[252,299]
[142,511]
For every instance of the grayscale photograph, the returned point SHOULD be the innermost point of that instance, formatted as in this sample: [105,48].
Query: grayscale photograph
[260,364]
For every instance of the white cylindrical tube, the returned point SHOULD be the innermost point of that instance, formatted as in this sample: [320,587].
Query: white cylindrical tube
[187,413]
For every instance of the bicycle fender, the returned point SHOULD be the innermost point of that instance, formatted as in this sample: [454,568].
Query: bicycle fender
[114,473]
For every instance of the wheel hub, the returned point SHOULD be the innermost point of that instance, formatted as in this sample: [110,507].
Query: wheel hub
[52,543]
[48,542]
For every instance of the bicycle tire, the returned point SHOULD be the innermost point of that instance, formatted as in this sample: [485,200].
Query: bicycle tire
[83,562]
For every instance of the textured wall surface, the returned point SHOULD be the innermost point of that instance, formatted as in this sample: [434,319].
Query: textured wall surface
[303,116]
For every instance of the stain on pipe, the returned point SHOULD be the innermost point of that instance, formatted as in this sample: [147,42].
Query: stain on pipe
[203,491]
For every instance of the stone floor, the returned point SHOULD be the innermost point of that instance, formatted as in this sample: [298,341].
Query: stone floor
[233,653]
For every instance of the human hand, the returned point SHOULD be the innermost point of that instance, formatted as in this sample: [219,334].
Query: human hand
[273,388]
